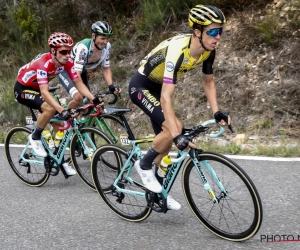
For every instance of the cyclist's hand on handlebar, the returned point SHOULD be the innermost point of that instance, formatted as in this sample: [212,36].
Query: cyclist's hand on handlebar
[182,142]
[66,114]
[98,102]
[223,118]
[115,89]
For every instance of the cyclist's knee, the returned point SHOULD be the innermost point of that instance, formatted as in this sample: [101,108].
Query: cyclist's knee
[78,98]
[167,136]
[46,108]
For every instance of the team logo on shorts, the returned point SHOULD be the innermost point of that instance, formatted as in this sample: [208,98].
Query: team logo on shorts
[139,96]
[133,89]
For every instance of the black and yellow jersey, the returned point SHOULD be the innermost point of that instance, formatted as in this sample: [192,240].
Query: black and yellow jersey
[172,58]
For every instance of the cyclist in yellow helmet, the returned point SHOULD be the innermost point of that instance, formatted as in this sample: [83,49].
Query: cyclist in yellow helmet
[152,87]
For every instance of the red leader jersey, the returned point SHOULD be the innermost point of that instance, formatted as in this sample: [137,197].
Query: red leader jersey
[42,69]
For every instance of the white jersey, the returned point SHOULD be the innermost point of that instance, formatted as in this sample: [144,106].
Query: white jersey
[82,51]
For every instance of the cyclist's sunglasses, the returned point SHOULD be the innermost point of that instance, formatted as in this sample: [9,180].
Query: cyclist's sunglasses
[214,32]
[64,52]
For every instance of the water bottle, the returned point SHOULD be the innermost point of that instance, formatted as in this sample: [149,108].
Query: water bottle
[59,135]
[48,137]
[162,169]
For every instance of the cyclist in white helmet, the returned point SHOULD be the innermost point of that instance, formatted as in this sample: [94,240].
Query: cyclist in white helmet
[88,54]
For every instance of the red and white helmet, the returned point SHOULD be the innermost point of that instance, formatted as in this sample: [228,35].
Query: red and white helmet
[58,39]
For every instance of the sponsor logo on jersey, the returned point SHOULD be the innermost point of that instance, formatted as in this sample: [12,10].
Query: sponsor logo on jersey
[185,61]
[78,68]
[29,96]
[28,75]
[41,74]
[80,62]
[73,70]
[59,70]
[47,63]
[82,55]
[170,66]
[151,98]
[157,59]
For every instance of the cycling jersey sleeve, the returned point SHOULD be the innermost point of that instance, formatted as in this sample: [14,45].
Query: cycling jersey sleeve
[173,56]
[80,58]
[70,68]
[208,63]
[106,60]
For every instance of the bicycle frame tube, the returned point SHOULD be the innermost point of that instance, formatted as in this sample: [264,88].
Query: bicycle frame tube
[82,138]
[173,171]
[37,162]
[213,174]
[63,145]
[135,151]
[100,120]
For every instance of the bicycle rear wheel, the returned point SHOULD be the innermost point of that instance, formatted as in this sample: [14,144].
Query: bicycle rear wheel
[114,128]
[31,173]
[238,215]
[128,206]
[93,139]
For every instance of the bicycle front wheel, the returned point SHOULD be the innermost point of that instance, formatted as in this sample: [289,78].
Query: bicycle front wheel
[24,163]
[238,215]
[93,139]
[131,207]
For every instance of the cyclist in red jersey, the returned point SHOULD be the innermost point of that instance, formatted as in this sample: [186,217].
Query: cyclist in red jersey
[32,87]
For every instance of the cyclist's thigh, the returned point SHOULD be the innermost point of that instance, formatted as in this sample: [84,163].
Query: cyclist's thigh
[67,83]
[147,98]
[28,96]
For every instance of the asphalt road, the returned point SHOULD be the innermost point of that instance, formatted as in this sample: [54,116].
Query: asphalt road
[65,214]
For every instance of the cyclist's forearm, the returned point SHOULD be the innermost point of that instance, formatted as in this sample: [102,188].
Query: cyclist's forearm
[82,88]
[107,73]
[211,94]
[170,117]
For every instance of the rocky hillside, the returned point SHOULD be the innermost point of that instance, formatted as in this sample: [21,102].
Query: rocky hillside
[256,71]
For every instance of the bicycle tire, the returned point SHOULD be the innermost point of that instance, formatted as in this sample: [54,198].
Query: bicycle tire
[127,206]
[81,162]
[242,206]
[29,173]
[116,130]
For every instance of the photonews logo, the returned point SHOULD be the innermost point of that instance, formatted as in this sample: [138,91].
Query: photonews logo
[279,238]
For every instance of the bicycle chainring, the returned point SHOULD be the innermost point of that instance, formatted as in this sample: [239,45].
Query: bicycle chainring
[51,166]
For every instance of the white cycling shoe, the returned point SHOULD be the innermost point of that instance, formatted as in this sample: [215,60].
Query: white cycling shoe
[172,204]
[69,169]
[37,146]
[148,178]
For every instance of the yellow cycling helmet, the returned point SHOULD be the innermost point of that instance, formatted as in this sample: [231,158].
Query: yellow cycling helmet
[205,15]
